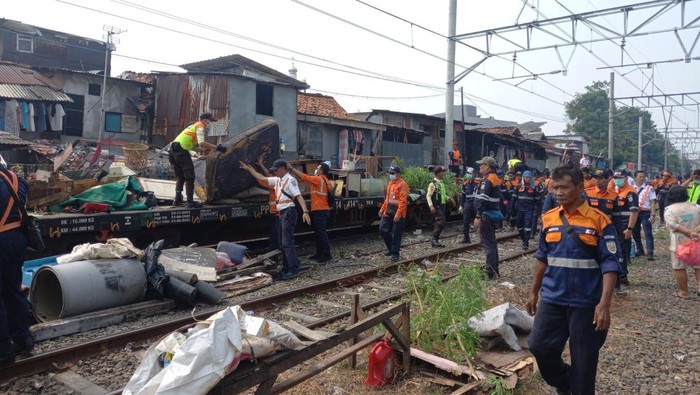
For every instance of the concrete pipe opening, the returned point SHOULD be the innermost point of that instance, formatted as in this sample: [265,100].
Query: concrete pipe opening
[82,287]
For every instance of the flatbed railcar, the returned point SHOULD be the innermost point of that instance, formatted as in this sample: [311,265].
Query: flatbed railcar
[207,225]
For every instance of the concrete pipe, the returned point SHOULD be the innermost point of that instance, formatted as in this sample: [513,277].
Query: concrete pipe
[81,287]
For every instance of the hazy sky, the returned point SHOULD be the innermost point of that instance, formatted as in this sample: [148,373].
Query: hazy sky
[272,32]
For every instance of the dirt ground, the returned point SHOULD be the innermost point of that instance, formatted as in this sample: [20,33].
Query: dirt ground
[653,346]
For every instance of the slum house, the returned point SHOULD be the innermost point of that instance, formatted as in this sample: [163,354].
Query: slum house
[503,144]
[326,131]
[28,104]
[20,156]
[126,118]
[418,139]
[36,46]
[238,91]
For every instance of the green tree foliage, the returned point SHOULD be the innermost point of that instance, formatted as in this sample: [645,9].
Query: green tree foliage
[588,116]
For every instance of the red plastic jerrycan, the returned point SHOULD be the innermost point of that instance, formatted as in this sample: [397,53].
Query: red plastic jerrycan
[382,365]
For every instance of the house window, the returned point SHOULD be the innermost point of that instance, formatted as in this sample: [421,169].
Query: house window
[94,89]
[25,44]
[263,99]
[113,122]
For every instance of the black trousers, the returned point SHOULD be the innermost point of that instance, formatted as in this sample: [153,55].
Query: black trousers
[623,256]
[14,308]
[643,222]
[319,220]
[487,236]
[392,233]
[288,223]
[523,221]
[554,324]
[468,214]
[181,160]
[440,221]
[662,205]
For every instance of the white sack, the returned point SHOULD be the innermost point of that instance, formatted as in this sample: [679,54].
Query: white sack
[112,249]
[201,362]
[499,321]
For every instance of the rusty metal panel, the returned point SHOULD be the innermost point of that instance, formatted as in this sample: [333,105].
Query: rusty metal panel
[181,98]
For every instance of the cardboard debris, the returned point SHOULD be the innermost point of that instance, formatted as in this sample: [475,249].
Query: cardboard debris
[245,284]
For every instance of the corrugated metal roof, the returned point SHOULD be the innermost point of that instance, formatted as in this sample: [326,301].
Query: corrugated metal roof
[10,139]
[32,92]
[240,65]
[11,74]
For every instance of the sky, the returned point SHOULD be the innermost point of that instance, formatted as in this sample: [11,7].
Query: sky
[358,50]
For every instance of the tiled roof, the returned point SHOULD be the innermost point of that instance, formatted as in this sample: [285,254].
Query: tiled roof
[320,105]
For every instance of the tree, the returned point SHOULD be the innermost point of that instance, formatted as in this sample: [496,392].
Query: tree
[588,116]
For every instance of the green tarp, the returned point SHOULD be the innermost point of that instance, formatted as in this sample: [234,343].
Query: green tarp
[114,194]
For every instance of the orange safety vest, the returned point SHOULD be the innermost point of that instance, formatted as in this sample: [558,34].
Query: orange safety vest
[320,187]
[14,185]
[456,159]
[396,195]
[272,200]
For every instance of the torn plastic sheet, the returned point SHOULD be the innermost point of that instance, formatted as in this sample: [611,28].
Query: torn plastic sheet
[500,321]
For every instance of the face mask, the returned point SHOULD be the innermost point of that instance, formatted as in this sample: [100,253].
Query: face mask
[317,172]
[470,177]
[392,176]
[619,182]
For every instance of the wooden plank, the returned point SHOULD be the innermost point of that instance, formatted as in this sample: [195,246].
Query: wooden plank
[354,306]
[79,384]
[304,331]
[444,364]
[441,380]
[467,388]
[99,319]
[258,259]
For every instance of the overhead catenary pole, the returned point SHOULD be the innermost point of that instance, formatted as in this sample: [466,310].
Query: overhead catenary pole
[464,133]
[611,120]
[639,145]
[450,94]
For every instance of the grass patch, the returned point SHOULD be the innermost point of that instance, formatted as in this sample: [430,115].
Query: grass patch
[441,310]
[499,386]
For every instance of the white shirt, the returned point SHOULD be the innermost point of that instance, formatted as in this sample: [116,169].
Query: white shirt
[288,184]
[683,213]
[641,192]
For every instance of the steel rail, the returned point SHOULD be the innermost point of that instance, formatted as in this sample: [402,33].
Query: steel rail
[57,358]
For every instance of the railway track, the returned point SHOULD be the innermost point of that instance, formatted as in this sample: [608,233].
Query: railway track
[273,303]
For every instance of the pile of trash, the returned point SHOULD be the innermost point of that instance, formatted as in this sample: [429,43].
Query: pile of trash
[193,362]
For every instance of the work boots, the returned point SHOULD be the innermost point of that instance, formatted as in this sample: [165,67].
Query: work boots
[193,204]
[436,243]
[178,199]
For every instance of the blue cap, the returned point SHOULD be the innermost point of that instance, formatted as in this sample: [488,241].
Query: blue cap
[527,173]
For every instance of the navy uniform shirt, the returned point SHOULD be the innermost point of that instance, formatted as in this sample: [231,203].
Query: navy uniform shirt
[574,275]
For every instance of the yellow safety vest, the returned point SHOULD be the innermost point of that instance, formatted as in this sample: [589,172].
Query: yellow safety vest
[188,137]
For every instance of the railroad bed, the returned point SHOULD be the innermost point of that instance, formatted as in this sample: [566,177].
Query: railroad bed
[319,298]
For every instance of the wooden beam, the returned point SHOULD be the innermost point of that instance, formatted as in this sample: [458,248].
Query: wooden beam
[304,331]
[98,319]
[405,345]
[467,388]
[264,387]
[242,379]
[354,306]
[406,331]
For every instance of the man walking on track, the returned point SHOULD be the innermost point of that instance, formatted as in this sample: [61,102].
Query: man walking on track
[436,196]
[575,273]
[393,213]
[488,213]
[624,220]
[647,216]
[190,139]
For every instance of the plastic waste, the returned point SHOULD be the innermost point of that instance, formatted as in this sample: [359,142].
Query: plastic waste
[381,369]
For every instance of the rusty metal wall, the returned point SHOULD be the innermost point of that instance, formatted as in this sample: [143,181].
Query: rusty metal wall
[180,98]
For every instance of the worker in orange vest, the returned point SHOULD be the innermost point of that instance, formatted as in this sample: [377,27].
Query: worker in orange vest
[393,213]
[455,159]
[321,186]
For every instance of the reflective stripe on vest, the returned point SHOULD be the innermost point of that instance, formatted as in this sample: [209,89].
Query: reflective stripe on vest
[644,195]
[14,185]
[188,137]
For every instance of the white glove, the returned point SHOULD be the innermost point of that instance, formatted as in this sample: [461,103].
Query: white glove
[461,210]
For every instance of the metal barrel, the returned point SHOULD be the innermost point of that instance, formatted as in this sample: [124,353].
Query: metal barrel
[85,286]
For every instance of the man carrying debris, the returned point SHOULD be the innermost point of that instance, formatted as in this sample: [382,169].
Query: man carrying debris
[320,187]
[287,191]
[436,196]
[190,139]
[576,268]
[15,336]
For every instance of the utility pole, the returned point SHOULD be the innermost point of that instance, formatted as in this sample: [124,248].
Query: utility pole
[450,94]
[464,133]
[109,47]
[611,120]
[639,145]
[666,149]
